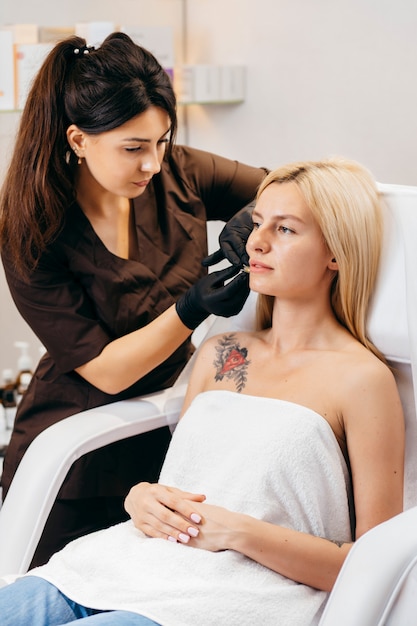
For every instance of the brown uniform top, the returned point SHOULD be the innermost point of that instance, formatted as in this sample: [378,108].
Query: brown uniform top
[81,297]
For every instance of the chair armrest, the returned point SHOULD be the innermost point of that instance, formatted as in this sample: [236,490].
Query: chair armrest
[50,456]
[373,574]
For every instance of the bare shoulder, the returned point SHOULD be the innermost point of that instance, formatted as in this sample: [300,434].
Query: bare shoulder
[367,369]
[369,387]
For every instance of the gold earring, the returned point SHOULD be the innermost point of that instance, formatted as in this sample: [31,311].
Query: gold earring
[76,153]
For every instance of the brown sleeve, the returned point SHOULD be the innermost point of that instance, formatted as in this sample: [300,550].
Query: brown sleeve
[59,312]
[224,185]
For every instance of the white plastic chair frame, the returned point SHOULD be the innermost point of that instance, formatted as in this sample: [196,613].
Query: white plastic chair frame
[378,581]
[51,455]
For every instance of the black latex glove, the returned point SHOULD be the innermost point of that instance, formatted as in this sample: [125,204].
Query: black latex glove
[233,238]
[210,295]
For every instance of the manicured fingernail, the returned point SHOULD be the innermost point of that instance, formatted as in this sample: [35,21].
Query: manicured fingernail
[183,538]
[194,517]
[192,531]
[170,538]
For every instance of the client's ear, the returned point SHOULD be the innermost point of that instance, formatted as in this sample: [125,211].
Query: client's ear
[333,265]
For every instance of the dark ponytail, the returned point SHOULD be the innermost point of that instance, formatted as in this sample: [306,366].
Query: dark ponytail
[97,90]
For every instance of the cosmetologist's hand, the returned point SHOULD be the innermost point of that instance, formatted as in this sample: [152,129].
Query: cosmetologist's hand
[233,238]
[212,295]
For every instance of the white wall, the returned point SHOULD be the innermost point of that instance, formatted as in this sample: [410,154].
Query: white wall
[325,77]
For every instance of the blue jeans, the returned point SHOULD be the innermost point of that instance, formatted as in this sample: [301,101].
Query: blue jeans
[32,601]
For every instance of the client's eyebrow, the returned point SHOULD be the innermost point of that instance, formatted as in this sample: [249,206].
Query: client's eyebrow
[279,216]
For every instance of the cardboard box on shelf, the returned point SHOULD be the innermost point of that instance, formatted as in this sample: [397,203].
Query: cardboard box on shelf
[94,32]
[7,101]
[28,59]
[197,83]
[157,39]
[53,34]
[23,33]
[210,83]
[232,83]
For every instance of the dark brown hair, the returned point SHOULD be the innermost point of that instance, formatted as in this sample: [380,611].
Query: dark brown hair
[98,90]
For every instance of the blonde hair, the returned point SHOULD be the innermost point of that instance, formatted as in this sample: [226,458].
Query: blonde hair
[345,202]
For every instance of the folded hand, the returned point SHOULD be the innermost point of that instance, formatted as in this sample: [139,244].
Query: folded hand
[165,512]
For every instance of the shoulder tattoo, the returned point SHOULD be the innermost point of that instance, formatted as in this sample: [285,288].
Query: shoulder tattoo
[231,361]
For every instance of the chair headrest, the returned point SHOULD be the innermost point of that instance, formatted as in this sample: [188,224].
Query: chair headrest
[387,320]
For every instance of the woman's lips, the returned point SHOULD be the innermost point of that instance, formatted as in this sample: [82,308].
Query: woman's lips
[257,266]
[142,183]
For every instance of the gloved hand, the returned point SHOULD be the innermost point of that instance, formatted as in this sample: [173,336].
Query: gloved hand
[210,295]
[233,238]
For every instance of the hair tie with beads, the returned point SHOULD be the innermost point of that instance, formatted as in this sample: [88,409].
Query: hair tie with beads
[83,50]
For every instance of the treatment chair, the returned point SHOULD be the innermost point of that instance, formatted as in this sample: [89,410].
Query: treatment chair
[376,583]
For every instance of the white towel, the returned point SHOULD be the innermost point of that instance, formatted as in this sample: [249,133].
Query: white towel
[272,459]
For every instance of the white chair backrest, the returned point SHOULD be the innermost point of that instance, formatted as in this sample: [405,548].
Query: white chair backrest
[391,322]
